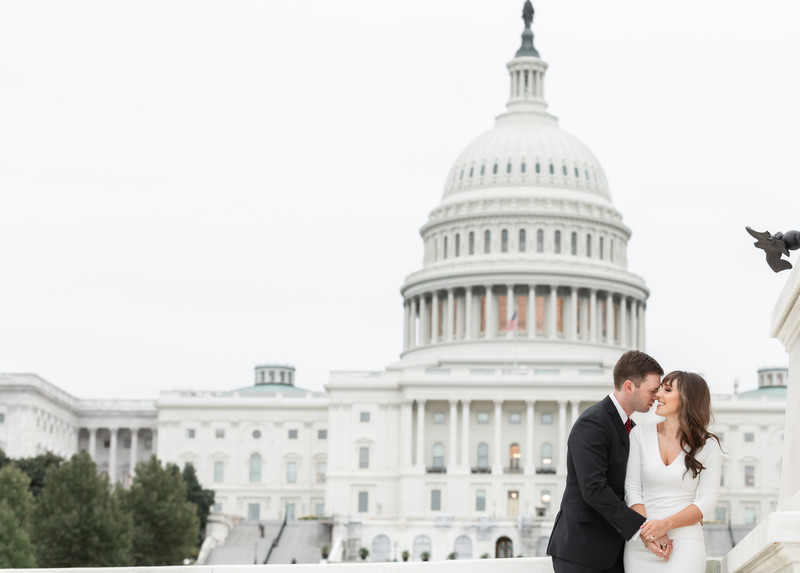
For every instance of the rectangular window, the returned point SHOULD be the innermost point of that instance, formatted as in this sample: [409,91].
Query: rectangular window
[514,418]
[483,417]
[190,433]
[749,515]
[2,417]
[216,508]
[292,434]
[436,500]
[219,433]
[322,434]
[253,511]
[720,514]
[107,443]
[319,509]
[749,476]
[148,443]
[480,500]
[547,418]
[322,468]
[363,458]
[749,437]
[364,416]
[291,472]
[218,467]
[126,443]
[363,501]
[438,417]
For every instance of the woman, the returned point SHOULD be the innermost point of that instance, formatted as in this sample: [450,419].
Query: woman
[673,477]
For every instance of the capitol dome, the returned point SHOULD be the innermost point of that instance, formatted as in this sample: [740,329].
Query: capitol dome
[525,256]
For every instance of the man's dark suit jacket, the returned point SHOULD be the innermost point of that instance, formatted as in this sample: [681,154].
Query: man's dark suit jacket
[594,523]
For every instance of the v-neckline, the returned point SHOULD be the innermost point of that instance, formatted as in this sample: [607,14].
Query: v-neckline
[658,447]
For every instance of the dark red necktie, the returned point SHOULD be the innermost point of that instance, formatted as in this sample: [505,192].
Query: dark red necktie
[628,425]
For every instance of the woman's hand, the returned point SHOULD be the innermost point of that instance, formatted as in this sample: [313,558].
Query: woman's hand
[654,529]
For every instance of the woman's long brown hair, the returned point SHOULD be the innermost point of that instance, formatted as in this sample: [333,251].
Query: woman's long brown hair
[694,415]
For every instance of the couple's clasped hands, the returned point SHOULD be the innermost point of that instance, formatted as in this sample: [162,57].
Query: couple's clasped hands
[654,536]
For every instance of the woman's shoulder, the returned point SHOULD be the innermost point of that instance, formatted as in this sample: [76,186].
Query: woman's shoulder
[643,429]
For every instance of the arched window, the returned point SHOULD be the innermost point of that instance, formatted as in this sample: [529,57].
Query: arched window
[577,173]
[514,457]
[462,175]
[445,248]
[601,249]
[438,456]
[471,169]
[483,456]
[563,170]
[483,170]
[522,240]
[255,468]
[487,241]
[547,454]
[458,245]
[463,547]
[422,544]
[538,167]
[471,242]
[557,242]
[522,167]
[540,241]
[552,169]
[611,250]
[504,241]
[381,549]
[574,243]
[494,169]
[508,167]
[588,245]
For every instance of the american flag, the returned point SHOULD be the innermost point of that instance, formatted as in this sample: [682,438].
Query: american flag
[512,322]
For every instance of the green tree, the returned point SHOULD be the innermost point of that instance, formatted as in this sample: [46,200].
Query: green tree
[37,467]
[165,525]
[4,460]
[202,498]
[16,501]
[78,521]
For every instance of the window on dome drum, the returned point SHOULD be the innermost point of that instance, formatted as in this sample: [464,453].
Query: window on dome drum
[514,457]
[436,500]
[322,434]
[508,167]
[587,174]
[547,454]
[218,467]
[588,245]
[538,167]
[552,169]
[547,418]
[283,377]
[471,169]
[291,472]
[502,323]
[255,468]
[483,456]
[435,250]
[611,250]
[292,434]
[577,173]
[522,167]
[487,242]
[564,169]
[540,310]
[471,243]
[483,170]
[483,417]
[363,501]
[462,174]
[603,319]
[256,434]
[438,456]
[445,247]
[504,241]
[540,241]
[749,476]
[514,418]
[560,314]
[438,417]
[574,243]
[322,470]
[749,437]
[261,376]
[522,240]
[480,500]
[522,312]
[272,376]
[364,416]
[494,169]
[458,245]
[219,433]
[190,433]
[363,458]
[557,242]
[601,249]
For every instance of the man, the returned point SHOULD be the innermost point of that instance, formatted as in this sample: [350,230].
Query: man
[594,522]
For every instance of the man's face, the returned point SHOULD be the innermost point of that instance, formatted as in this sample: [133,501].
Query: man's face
[642,398]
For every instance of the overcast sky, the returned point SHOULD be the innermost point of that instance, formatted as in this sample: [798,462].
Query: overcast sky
[190,188]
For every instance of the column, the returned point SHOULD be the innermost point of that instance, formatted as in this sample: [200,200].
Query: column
[562,437]
[134,447]
[112,456]
[469,312]
[530,314]
[423,320]
[154,433]
[573,313]
[453,447]
[420,435]
[450,322]
[406,416]
[594,317]
[551,312]
[497,467]
[465,434]
[623,321]
[92,443]
[530,420]
[406,324]
[641,326]
[435,317]
[609,318]
[510,305]
[575,407]
[491,320]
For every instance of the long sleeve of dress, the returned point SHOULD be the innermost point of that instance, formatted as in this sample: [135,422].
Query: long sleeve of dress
[709,478]
[633,475]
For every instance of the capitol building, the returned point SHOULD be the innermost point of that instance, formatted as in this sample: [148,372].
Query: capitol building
[512,326]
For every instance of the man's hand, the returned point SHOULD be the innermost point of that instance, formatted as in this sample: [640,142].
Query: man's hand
[653,529]
[660,547]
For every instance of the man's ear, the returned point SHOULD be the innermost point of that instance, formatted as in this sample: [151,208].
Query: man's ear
[628,386]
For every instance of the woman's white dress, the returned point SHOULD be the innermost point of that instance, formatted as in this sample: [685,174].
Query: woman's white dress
[665,490]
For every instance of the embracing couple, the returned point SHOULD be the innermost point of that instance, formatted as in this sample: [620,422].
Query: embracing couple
[636,496]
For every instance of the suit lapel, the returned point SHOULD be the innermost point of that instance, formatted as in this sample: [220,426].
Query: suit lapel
[617,422]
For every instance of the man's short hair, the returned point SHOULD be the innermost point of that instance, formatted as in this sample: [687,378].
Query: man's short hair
[635,366]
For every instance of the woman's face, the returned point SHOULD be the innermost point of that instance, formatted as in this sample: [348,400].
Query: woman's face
[669,399]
